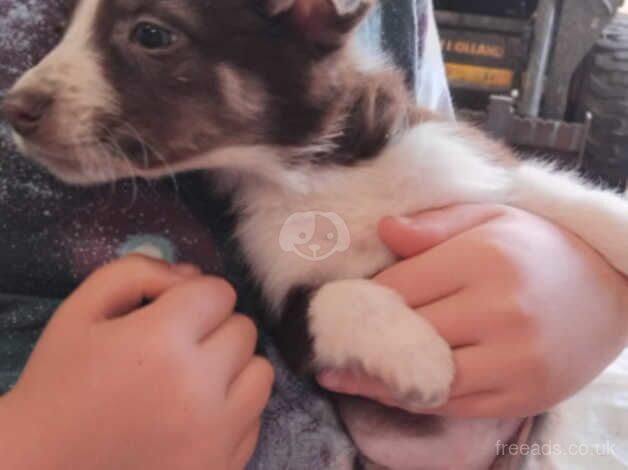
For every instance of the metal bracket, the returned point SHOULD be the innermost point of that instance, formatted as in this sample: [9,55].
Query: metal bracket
[559,137]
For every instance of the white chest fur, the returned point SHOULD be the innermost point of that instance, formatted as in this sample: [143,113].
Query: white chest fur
[429,167]
[433,165]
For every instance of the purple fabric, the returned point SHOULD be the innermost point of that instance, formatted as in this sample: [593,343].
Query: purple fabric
[51,235]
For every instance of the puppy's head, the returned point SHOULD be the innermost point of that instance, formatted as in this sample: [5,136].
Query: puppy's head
[145,87]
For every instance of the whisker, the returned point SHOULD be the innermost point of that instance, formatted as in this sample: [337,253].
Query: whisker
[146,148]
[171,173]
[107,151]
[104,149]
[136,136]
[131,172]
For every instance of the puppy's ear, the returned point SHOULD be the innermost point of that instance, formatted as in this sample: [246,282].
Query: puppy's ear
[321,22]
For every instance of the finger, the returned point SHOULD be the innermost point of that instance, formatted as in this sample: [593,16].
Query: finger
[427,278]
[196,307]
[250,391]
[187,269]
[123,285]
[478,370]
[234,343]
[478,405]
[355,383]
[410,236]
[478,373]
[245,449]
[462,319]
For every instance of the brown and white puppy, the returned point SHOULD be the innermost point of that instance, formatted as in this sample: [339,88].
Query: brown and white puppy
[303,130]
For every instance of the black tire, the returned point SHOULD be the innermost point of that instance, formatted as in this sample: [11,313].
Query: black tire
[605,95]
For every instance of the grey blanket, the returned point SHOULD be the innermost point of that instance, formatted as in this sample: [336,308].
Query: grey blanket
[52,236]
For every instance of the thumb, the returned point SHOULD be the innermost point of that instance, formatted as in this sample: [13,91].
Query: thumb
[411,236]
[351,382]
[121,286]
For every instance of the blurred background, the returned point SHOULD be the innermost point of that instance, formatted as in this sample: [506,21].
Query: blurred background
[547,76]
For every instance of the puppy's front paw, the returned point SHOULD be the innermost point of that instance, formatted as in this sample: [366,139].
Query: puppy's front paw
[360,324]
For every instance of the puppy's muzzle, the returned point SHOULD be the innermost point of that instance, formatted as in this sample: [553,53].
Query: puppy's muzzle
[26,110]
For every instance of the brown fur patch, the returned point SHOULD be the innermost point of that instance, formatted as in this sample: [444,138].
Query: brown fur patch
[241,78]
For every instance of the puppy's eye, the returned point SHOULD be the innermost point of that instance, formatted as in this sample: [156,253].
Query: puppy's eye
[151,36]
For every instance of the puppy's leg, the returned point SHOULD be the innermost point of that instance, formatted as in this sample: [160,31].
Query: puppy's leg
[362,325]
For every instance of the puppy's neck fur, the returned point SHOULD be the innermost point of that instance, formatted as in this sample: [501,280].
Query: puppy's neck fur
[361,110]
[364,111]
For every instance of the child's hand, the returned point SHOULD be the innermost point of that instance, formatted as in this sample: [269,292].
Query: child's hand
[113,384]
[531,312]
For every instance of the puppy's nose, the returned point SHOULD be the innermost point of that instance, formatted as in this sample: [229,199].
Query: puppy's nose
[25,110]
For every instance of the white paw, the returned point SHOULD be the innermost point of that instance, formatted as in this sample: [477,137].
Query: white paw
[360,324]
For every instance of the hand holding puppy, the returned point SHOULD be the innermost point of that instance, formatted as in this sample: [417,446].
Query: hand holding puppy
[531,312]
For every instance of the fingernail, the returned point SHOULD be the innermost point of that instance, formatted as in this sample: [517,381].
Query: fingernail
[406,221]
[186,269]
